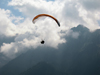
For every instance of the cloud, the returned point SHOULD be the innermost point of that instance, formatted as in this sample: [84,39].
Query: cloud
[69,13]
[90,17]
[5,24]
[7,27]
[91,5]
[12,50]
[73,34]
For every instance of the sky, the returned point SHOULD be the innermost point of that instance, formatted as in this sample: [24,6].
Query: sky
[16,22]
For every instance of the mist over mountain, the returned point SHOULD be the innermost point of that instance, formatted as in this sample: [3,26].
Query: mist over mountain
[78,56]
[6,39]
[4,59]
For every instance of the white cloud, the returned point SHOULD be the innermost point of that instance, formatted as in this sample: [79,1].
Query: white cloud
[90,18]
[6,26]
[8,50]
[68,12]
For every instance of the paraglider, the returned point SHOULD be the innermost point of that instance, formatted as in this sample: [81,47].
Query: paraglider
[42,15]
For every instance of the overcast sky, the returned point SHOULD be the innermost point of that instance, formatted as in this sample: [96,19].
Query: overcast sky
[16,21]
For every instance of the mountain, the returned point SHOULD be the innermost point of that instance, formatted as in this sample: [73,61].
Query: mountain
[79,56]
[3,60]
[27,60]
[83,54]
[42,68]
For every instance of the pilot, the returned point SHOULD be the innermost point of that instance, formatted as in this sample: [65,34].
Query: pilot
[42,42]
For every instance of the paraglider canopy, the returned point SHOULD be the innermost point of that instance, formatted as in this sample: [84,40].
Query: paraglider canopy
[41,15]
